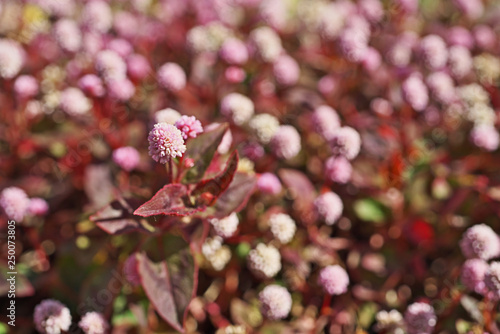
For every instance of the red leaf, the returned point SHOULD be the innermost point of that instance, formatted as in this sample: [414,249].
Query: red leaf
[117,218]
[170,285]
[156,283]
[302,191]
[170,200]
[201,150]
[207,191]
[236,196]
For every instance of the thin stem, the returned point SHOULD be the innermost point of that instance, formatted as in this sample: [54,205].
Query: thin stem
[170,171]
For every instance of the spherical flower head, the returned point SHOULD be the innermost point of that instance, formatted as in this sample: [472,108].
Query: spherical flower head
[372,60]
[138,66]
[110,65]
[264,126]
[346,142]
[415,92]
[217,255]
[473,271]
[92,85]
[14,202]
[485,136]
[442,87]
[264,261]
[126,157]
[97,16]
[286,70]
[57,8]
[388,321]
[459,61]
[234,51]
[325,121]
[487,68]
[372,10]
[460,36]
[94,323]
[328,84]
[11,58]
[74,102]
[420,318]
[172,77]
[485,36]
[121,46]
[401,51]
[333,279]
[131,270]
[329,207]
[276,302]
[266,43]
[473,9]
[269,183]
[207,38]
[167,115]
[68,35]
[480,241]
[25,86]
[283,227]
[121,90]
[237,107]
[225,227]
[165,142]
[434,52]
[38,207]
[189,126]
[285,142]
[338,169]
[126,24]
[492,279]
[353,44]
[234,74]
[51,317]
[381,106]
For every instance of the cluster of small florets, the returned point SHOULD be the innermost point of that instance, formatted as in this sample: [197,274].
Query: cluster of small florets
[276,302]
[283,227]
[264,261]
[334,280]
[227,226]
[217,254]
[52,317]
[16,204]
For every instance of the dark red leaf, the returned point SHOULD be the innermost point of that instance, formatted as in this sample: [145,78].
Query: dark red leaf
[207,191]
[117,217]
[302,191]
[236,196]
[170,200]
[156,283]
[201,150]
[170,285]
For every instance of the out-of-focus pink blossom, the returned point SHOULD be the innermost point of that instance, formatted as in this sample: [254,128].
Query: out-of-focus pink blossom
[122,47]
[14,203]
[328,84]
[11,58]
[92,85]
[485,136]
[472,276]
[485,37]
[442,87]
[286,142]
[51,317]
[460,36]
[325,121]
[381,106]
[420,318]
[480,241]
[38,206]
[415,92]
[234,51]
[26,86]
[334,280]
[433,51]
[372,60]
[121,90]
[138,66]
[459,61]
[345,141]
[68,35]
[126,157]
[97,16]
[372,10]
[338,169]
[172,77]
[286,70]
[329,207]
[473,9]
[94,323]
[269,183]
[234,74]
[276,302]
[74,102]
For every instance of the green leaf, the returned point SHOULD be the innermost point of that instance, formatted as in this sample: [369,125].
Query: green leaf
[201,150]
[369,209]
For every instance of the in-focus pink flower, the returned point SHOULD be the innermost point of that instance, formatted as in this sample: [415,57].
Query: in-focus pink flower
[165,143]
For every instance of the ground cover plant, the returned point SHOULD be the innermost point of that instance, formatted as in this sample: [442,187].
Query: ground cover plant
[249,166]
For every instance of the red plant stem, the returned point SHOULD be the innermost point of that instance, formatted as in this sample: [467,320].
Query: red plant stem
[325,308]
[170,171]
[179,169]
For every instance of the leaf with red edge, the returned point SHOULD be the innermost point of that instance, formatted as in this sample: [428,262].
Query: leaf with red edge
[169,200]
[207,191]
[156,283]
[235,197]
[117,217]
[170,285]
[302,191]
[201,150]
